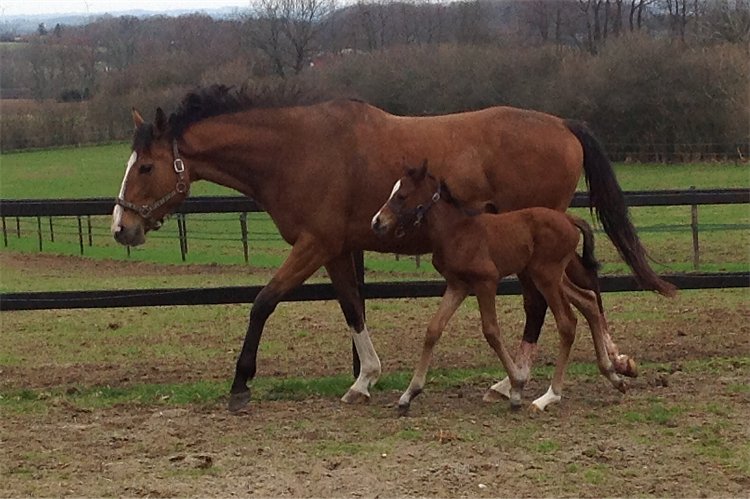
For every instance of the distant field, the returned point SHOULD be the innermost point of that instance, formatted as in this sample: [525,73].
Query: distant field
[97,172]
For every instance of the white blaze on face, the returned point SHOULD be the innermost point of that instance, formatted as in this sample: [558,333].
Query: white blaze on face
[117,213]
[395,189]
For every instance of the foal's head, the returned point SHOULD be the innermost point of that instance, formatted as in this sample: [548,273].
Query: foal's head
[412,196]
[155,182]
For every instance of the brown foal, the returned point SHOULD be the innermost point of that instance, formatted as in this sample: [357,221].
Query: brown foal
[474,251]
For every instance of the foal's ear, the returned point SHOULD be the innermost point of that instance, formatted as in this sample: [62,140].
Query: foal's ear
[160,122]
[417,173]
[445,193]
[137,118]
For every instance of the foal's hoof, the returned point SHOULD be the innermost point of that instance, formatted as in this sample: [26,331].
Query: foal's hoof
[238,401]
[534,410]
[622,386]
[355,398]
[626,366]
[493,396]
[403,409]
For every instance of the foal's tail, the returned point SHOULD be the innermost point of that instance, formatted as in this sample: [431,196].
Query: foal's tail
[587,255]
[606,196]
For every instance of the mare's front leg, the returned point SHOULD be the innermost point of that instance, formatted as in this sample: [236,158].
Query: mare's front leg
[485,291]
[343,275]
[307,256]
[535,307]
[454,295]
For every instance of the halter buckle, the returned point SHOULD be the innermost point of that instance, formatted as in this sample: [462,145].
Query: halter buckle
[145,211]
[179,166]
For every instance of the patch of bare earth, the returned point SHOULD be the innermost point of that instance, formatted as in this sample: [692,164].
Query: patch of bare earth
[677,432]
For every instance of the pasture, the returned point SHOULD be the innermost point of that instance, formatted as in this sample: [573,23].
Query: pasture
[132,401]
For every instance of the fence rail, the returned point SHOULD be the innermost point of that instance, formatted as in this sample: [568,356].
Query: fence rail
[238,204]
[314,292]
[311,292]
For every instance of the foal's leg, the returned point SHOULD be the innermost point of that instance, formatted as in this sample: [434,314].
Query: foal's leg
[587,280]
[341,270]
[535,307]
[566,326]
[306,257]
[586,301]
[454,295]
[485,291]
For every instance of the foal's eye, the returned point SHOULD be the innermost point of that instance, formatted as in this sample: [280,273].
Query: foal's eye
[145,168]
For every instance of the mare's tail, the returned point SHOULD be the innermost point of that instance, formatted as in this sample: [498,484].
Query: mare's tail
[587,255]
[606,197]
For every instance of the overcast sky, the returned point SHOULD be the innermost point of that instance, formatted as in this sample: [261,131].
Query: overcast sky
[32,7]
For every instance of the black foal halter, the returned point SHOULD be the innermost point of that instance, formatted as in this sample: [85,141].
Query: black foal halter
[415,216]
[180,188]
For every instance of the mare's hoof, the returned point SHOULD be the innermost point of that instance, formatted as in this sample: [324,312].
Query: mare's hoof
[238,401]
[515,405]
[493,396]
[355,398]
[403,409]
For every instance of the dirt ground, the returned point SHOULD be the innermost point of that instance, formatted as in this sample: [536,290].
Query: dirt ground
[681,430]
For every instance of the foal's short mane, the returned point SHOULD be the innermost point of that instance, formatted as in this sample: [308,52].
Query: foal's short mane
[218,99]
[447,195]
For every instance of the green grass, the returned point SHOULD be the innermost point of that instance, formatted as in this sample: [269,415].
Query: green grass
[294,388]
[97,171]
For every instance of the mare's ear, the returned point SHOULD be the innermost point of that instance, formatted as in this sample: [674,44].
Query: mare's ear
[160,122]
[137,118]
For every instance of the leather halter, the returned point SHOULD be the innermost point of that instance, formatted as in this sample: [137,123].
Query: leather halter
[180,188]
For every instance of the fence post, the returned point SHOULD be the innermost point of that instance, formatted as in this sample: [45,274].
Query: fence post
[39,231]
[694,229]
[88,223]
[51,231]
[5,233]
[80,233]
[18,227]
[181,234]
[243,228]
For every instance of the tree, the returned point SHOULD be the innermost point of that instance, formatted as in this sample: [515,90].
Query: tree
[287,31]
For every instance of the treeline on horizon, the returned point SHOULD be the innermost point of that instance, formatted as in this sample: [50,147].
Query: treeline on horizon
[656,79]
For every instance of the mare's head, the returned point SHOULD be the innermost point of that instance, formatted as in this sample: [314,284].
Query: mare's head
[155,181]
[412,196]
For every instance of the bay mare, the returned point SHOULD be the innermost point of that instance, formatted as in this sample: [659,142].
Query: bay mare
[473,250]
[321,172]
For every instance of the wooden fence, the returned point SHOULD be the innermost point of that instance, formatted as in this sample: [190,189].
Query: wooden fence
[246,294]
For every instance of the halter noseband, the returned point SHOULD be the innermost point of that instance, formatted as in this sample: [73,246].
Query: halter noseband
[181,188]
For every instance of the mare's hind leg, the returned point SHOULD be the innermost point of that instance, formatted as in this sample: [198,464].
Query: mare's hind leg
[342,272]
[586,301]
[454,295]
[306,257]
[587,281]
[535,307]
[485,291]
[566,326]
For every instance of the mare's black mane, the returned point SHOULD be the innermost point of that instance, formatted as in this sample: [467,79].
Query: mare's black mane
[216,100]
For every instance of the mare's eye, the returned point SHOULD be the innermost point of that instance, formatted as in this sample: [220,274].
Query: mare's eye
[400,197]
[145,168]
